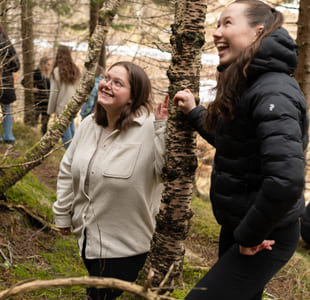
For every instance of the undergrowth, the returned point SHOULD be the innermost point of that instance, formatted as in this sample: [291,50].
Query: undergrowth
[29,252]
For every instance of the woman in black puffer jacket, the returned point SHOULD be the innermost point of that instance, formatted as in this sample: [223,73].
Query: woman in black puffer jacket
[258,125]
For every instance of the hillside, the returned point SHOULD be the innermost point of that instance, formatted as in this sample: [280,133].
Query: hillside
[30,249]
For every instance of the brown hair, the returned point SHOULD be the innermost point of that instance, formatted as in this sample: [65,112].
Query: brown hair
[231,82]
[140,93]
[69,73]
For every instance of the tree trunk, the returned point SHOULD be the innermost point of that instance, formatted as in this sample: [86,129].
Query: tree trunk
[303,41]
[173,220]
[95,6]
[28,64]
[3,14]
[9,176]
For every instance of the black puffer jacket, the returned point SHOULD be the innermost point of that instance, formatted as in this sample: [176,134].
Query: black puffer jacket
[9,63]
[258,174]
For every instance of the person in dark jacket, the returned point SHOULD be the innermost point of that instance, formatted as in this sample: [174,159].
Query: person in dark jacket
[258,125]
[41,85]
[305,225]
[9,63]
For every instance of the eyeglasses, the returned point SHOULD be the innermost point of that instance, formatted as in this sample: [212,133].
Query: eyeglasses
[115,83]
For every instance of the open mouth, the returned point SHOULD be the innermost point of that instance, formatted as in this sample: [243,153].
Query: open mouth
[221,47]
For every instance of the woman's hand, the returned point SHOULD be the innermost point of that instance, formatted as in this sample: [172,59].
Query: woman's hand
[266,244]
[65,231]
[161,112]
[185,100]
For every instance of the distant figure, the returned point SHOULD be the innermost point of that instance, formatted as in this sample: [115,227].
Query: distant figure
[41,86]
[89,106]
[64,81]
[109,181]
[305,225]
[9,63]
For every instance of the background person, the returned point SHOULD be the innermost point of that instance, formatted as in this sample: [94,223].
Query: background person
[9,63]
[41,85]
[258,125]
[64,81]
[108,187]
[89,106]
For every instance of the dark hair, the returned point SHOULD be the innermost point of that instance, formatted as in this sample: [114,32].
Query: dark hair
[140,93]
[69,73]
[231,82]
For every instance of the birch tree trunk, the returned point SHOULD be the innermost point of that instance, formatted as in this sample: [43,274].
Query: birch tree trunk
[303,41]
[28,64]
[303,69]
[95,6]
[34,156]
[173,220]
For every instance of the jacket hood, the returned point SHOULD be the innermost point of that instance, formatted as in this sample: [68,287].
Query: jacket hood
[278,52]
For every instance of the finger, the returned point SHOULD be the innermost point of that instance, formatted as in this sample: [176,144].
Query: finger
[166,101]
[158,110]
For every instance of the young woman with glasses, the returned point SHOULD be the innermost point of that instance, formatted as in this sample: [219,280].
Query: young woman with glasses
[109,184]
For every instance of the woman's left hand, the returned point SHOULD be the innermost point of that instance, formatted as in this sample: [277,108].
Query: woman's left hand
[161,112]
[266,244]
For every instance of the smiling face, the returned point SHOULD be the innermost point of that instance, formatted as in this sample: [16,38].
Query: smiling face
[233,33]
[114,91]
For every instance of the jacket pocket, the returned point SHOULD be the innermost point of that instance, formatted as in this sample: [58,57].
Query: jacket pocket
[120,160]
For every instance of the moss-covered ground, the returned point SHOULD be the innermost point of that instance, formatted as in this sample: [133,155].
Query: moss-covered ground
[29,250]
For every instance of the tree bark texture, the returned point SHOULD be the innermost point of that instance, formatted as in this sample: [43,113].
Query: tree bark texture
[8,177]
[3,14]
[303,41]
[173,220]
[95,6]
[28,64]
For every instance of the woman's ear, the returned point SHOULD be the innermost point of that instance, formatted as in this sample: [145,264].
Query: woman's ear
[258,30]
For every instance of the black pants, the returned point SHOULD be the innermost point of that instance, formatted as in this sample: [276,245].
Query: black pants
[125,268]
[241,277]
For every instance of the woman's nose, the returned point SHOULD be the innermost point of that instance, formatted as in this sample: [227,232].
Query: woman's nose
[217,32]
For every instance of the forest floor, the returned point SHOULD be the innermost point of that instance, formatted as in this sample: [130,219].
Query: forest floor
[28,250]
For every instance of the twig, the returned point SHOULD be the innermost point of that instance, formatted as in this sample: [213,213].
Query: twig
[148,281]
[166,276]
[10,260]
[36,160]
[98,282]
[6,153]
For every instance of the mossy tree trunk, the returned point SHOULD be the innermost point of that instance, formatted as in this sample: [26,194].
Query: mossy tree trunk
[303,41]
[173,220]
[9,176]
[95,6]
[28,64]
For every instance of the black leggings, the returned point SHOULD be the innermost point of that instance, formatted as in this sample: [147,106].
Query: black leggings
[241,277]
[125,268]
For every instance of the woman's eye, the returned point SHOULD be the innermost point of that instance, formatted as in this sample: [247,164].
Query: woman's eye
[117,83]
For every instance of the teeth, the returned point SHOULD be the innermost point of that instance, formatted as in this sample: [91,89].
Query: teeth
[221,45]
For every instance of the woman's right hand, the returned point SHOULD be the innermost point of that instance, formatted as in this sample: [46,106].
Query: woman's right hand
[185,100]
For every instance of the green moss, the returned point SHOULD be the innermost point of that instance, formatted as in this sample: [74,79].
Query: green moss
[191,275]
[32,194]
[203,224]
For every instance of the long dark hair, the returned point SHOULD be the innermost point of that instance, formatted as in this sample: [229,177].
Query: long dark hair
[69,72]
[140,93]
[232,81]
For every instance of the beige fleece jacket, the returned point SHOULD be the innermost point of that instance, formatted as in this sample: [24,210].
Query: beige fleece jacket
[124,195]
